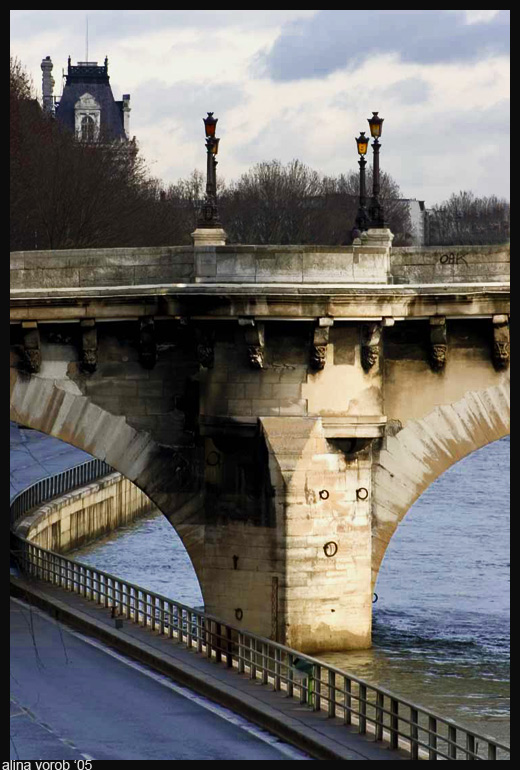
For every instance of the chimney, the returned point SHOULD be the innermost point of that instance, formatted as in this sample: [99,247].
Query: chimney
[126,114]
[47,85]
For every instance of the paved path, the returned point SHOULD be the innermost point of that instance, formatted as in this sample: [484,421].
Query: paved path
[273,710]
[73,698]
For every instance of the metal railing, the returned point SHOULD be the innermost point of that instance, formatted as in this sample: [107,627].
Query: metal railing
[54,486]
[365,708]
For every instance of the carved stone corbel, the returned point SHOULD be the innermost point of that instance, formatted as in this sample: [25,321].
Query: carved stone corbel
[205,348]
[147,343]
[89,356]
[255,340]
[370,345]
[32,356]
[438,343]
[501,342]
[320,342]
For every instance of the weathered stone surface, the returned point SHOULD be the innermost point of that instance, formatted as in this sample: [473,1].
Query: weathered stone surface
[260,469]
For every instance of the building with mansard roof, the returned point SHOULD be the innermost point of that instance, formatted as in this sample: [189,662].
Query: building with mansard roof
[87,105]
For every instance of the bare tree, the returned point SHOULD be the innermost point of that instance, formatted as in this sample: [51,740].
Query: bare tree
[465,219]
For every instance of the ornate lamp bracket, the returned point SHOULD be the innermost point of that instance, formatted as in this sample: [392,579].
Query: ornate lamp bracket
[438,343]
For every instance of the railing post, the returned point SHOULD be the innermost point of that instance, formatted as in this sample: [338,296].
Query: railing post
[492,751]
[432,742]
[252,651]
[200,634]
[332,694]
[229,647]
[362,709]
[265,663]
[290,676]
[380,716]
[470,746]
[394,723]
[347,718]
[277,670]
[219,643]
[414,733]
[209,624]
[170,619]
[316,673]
[452,745]
[241,653]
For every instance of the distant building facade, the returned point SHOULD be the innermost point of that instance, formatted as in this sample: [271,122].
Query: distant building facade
[87,105]
[419,222]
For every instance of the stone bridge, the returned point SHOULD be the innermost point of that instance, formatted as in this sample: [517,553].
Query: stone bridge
[283,406]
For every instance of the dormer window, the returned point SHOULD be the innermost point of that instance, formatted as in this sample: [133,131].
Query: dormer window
[88,128]
[87,118]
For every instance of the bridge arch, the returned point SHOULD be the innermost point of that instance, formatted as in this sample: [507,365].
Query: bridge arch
[59,409]
[418,454]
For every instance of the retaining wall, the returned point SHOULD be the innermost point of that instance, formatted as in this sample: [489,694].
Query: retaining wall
[80,517]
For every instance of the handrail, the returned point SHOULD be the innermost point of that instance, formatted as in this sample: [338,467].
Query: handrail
[374,710]
[56,485]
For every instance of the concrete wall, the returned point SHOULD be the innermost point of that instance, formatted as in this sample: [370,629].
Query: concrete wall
[80,517]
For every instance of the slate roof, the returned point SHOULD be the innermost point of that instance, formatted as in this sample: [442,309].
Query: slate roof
[94,80]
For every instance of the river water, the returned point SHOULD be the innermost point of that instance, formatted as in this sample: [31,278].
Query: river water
[441,622]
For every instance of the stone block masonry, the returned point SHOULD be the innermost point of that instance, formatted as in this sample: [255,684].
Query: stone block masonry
[79,517]
[282,406]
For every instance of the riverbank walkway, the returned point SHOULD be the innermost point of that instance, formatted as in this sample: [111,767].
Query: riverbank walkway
[35,456]
[314,732]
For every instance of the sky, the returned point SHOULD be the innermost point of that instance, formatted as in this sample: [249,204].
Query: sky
[300,84]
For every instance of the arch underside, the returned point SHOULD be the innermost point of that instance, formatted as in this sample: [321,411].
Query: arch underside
[419,453]
[167,477]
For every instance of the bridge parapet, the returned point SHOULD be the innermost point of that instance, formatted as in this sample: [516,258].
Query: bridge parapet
[451,264]
[263,265]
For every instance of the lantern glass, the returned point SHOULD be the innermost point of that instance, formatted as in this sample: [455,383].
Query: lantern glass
[376,125]
[214,146]
[362,144]
[210,123]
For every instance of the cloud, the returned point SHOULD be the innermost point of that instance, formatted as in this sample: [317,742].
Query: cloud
[336,40]
[187,103]
[111,24]
[445,125]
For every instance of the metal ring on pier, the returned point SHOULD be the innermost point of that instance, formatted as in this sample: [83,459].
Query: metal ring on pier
[330,549]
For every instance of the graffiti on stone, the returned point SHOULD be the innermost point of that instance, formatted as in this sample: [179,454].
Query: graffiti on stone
[451,258]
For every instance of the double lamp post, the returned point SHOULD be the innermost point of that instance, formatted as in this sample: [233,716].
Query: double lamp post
[369,216]
[208,217]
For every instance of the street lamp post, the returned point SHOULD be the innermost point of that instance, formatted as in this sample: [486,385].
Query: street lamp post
[209,217]
[362,219]
[376,212]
